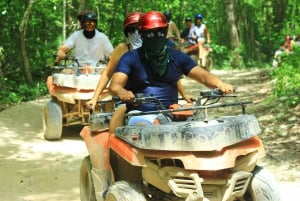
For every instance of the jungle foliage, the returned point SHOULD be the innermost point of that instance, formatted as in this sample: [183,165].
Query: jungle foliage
[31,31]
[287,76]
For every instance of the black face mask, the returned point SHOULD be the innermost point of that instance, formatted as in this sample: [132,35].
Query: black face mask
[154,45]
[89,34]
[156,53]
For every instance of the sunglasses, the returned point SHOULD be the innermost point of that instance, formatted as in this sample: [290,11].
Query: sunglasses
[89,22]
[131,29]
[155,33]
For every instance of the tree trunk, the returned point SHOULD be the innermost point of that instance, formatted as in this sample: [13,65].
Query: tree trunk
[268,29]
[22,32]
[279,12]
[82,5]
[250,42]
[114,12]
[294,12]
[234,37]
[64,27]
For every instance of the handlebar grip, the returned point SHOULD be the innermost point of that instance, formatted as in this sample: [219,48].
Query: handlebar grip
[139,98]
[211,93]
[115,98]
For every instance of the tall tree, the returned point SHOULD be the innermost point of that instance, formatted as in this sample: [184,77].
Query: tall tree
[22,33]
[279,12]
[64,26]
[234,36]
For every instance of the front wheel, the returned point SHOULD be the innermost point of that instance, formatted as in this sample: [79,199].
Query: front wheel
[52,121]
[124,191]
[87,191]
[208,64]
[263,186]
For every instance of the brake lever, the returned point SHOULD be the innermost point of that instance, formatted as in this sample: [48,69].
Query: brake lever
[215,93]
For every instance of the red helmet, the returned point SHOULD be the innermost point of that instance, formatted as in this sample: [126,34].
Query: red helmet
[132,18]
[152,20]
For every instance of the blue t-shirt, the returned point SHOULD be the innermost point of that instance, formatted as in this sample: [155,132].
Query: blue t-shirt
[141,78]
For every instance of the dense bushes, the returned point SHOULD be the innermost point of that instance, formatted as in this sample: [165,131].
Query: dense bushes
[287,76]
[18,93]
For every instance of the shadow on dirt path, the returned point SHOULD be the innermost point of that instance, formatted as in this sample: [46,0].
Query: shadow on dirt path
[33,168]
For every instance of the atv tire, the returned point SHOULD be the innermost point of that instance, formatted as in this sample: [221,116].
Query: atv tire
[263,186]
[87,191]
[52,121]
[208,64]
[123,191]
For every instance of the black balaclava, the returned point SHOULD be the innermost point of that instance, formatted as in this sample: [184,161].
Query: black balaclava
[156,53]
[89,34]
[85,20]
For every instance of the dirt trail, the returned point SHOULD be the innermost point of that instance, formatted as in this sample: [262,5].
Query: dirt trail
[33,169]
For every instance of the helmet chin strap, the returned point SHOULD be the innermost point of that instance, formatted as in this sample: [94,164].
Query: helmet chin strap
[89,34]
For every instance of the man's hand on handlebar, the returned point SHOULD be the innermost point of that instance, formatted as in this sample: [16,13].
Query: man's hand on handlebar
[125,95]
[189,98]
[59,56]
[56,61]
[91,103]
[225,88]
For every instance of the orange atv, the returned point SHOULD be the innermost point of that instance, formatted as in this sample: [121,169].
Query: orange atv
[188,156]
[70,86]
[193,52]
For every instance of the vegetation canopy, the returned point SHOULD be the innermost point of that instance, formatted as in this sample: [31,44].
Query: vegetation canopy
[245,34]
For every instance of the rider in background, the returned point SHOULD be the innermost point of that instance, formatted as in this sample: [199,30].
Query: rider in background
[199,35]
[286,47]
[133,41]
[184,35]
[90,44]
[173,32]
[288,43]
[277,55]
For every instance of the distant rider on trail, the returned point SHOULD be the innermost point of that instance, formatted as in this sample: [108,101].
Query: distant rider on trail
[197,35]
[90,44]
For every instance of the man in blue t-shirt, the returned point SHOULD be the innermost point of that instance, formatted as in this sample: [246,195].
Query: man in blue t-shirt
[154,69]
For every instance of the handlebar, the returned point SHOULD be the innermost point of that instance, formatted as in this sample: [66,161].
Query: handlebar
[215,93]
[199,107]
[207,94]
[218,105]
[67,58]
[139,99]
[72,63]
[74,59]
